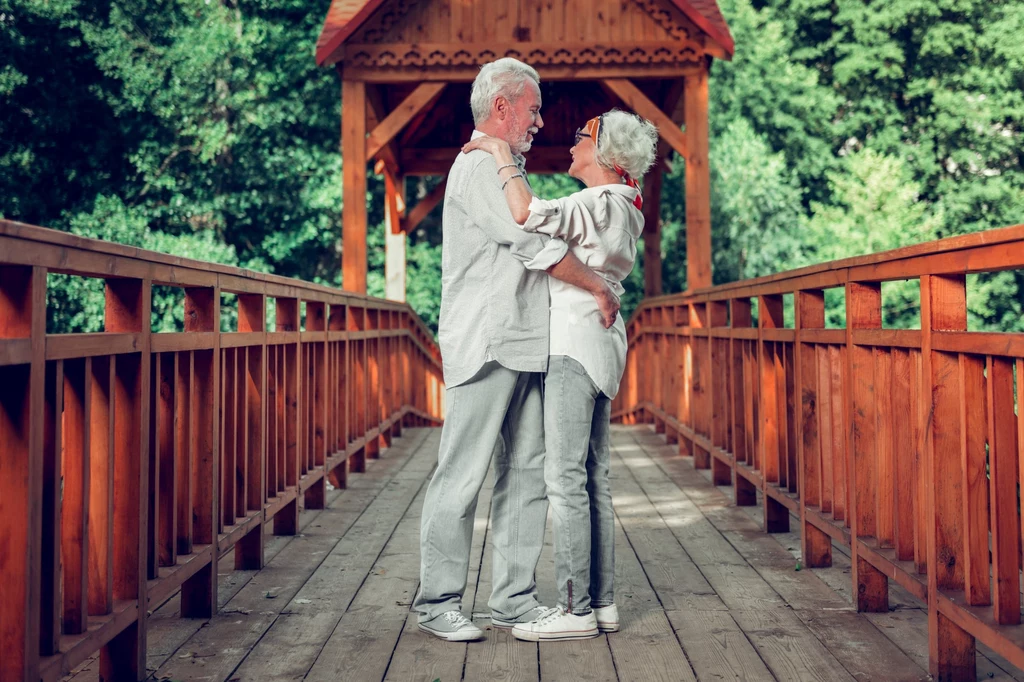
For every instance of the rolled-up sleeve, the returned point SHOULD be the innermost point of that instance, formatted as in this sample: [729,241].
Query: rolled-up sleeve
[486,207]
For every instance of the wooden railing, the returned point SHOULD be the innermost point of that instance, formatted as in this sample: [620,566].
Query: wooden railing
[901,444]
[132,461]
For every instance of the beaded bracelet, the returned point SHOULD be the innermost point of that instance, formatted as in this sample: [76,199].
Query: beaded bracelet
[510,178]
[507,165]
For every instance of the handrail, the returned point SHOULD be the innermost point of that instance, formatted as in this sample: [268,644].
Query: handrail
[132,461]
[902,445]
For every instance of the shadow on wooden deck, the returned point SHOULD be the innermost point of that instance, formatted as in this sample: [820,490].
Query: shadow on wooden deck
[704,594]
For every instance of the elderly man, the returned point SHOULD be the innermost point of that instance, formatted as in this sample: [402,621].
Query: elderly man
[493,334]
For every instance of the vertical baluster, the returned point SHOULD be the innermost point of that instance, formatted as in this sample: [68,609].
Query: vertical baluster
[718,316]
[165,458]
[772,410]
[272,457]
[75,512]
[840,472]
[50,607]
[816,545]
[229,432]
[101,476]
[336,324]
[700,378]
[792,437]
[183,452]
[885,498]
[825,440]
[918,408]
[904,451]
[316,321]
[973,436]
[1003,462]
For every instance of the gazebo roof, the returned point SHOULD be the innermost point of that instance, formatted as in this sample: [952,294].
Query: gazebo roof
[345,17]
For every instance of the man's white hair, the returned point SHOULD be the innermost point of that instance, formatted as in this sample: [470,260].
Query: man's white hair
[506,77]
[627,141]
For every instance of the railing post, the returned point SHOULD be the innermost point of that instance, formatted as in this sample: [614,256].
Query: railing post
[816,545]
[128,310]
[944,308]
[202,314]
[252,319]
[863,311]
[22,316]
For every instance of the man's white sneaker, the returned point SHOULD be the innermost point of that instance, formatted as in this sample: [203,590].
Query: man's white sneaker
[556,624]
[607,618]
[452,626]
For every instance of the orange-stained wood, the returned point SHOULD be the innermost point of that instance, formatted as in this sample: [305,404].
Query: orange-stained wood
[353,153]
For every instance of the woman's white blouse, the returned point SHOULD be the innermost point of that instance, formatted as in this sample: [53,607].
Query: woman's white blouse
[601,225]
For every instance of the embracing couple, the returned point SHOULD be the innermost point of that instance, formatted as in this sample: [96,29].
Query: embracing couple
[533,353]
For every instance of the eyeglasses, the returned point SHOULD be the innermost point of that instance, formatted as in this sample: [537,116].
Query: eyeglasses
[579,135]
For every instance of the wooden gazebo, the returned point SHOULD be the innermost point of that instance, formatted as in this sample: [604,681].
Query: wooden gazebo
[406,69]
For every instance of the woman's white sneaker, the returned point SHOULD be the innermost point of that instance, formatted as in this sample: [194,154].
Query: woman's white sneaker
[452,626]
[556,624]
[607,618]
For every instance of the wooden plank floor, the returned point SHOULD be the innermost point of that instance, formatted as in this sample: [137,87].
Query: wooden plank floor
[704,595]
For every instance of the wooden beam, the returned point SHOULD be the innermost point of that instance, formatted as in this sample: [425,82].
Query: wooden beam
[420,98]
[353,151]
[394,204]
[698,184]
[422,209]
[375,113]
[652,232]
[636,100]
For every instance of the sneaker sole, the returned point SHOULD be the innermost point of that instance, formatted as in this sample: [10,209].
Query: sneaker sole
[608,627]
[457,636]
[554,636]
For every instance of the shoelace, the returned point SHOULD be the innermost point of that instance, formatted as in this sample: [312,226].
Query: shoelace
[456,619]
[550,615]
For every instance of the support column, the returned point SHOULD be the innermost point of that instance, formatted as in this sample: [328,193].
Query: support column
[698,183]
[394,238]
[353,217]
[652,230]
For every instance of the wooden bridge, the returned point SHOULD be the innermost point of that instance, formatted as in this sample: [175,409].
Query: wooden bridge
[244,504]
[239,500]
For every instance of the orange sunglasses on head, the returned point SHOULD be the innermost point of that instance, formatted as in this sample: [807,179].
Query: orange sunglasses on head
[593,130]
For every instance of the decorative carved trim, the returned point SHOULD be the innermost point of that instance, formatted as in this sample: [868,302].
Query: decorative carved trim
[377,29]
[666,18]
[412,55]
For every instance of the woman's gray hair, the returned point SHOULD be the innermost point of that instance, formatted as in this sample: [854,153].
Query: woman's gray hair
[627,141]
[506,77]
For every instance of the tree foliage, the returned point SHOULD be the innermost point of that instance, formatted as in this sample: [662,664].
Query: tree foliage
[204,129]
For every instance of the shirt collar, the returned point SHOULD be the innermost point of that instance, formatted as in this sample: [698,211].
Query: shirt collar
[520,159]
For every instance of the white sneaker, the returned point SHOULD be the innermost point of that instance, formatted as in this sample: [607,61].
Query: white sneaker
[452,626]
[607,618]
[556,624]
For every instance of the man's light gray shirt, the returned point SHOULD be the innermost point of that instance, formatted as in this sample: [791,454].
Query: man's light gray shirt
[494,291]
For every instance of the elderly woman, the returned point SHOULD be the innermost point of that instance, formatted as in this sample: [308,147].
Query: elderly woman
[601,225]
